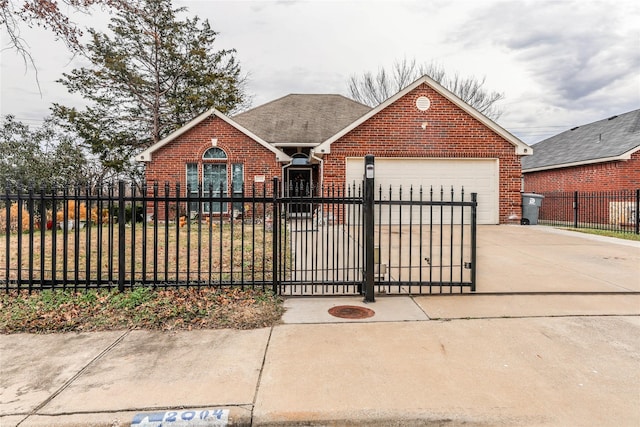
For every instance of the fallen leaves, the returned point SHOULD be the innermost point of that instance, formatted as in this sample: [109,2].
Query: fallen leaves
[141,308]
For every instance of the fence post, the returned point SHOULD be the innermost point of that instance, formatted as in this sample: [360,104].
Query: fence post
[575,209]
[19,231]
[275,237]
[368,227]
[31,209]
[7,235]
[121,236]
[637,218]
[474,221]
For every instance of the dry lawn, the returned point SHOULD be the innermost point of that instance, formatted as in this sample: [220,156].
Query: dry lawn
[142,308]
[196,252]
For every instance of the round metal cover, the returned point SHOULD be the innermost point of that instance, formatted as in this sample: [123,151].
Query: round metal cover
[351,312]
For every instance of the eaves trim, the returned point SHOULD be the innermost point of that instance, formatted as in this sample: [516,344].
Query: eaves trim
[623,157]
[522,149]
[146,155]
[295,144]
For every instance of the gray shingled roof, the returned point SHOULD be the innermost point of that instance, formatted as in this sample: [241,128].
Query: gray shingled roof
[603,139]
[301,119]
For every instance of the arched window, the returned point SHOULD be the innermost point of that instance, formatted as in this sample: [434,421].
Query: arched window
[299,159]
[214,153]
[216,178]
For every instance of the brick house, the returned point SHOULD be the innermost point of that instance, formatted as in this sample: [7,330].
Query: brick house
[422,136]
[599,156]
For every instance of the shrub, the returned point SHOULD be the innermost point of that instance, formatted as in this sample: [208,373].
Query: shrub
[13,219]
[82,213]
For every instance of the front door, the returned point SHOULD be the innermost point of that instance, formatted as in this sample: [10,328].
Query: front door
[299,185]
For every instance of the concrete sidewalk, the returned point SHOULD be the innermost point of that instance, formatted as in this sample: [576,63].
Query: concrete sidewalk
[575,366]
[515,359]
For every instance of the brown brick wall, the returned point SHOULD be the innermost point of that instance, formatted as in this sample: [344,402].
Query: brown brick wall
[609,176]
[394,132]
[168,164]
[450,132]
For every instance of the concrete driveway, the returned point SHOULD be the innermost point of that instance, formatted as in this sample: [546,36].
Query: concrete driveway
[510,259]
[513,258]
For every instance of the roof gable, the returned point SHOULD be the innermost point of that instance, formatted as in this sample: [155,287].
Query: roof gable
[520,147]
[614,138]
[300,120]
[146,155]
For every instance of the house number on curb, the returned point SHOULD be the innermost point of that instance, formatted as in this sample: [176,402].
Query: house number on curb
[190,418]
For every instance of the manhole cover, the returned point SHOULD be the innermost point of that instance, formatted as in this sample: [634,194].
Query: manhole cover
[351,312]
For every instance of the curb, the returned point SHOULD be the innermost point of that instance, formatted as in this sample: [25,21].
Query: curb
[231,416]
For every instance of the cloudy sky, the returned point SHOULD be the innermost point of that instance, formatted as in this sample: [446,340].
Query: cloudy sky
[559,63]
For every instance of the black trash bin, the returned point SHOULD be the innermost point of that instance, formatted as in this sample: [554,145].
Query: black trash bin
[531,203]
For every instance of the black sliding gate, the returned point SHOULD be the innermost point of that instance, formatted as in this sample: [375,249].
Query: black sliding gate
[424,241]
[348,241]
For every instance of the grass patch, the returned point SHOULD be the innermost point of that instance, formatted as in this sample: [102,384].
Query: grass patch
[215,252]
[607,233]
[142,308]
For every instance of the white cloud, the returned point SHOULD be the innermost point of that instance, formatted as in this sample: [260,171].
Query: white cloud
[560,63]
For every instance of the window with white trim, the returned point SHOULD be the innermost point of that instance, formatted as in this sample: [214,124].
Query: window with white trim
[214,177]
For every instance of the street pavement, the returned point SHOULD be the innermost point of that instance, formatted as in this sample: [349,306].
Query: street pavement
[552,338]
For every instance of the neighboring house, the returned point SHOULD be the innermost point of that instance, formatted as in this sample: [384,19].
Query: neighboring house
[600,156]
[423,135]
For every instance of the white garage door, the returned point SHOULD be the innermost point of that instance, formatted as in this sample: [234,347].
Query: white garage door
[475,175]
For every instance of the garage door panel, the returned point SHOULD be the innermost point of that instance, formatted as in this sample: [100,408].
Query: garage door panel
[397,176]
[421,215]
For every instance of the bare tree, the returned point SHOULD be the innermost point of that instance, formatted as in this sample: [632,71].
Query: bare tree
[47,14]
[14,14]
[373,89]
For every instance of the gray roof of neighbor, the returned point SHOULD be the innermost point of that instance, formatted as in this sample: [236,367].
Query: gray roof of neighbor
[301,119]
[607,138]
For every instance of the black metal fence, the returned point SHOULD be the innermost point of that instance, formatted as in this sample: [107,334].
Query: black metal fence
[124,236]
[610,210]
[322,242]
[425,240]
